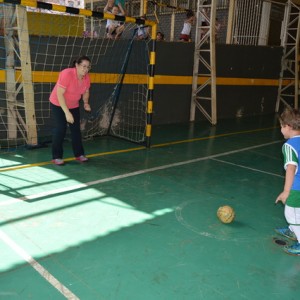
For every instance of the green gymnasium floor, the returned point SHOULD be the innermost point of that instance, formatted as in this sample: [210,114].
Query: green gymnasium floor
[141,224]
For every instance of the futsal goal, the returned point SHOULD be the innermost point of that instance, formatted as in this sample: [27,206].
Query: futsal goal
[38,40]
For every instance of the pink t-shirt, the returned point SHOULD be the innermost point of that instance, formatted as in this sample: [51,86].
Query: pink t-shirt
[74,88]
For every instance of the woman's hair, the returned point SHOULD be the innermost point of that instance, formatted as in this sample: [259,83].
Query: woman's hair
[79,60]
[290,117]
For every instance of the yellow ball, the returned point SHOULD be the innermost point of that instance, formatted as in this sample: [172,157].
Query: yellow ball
[226,214]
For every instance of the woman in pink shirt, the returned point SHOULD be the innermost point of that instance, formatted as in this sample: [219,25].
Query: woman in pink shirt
[72,85]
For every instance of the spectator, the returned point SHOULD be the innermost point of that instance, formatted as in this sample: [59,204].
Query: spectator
[185,34]
[120,4]
[205,23]
[218,27]
[160,36]
[143,31]
[204,17]
[114,28]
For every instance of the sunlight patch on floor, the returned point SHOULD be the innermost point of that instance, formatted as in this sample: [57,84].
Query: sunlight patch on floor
[56,224]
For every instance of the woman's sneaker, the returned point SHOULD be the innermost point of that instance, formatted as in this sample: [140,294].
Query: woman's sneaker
[82,158]
[58,161]
[285,231]
[293,250]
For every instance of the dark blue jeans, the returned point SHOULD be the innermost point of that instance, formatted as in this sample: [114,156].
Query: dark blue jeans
[61,129]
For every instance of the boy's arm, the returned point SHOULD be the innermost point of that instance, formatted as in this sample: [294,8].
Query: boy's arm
[109,5]
[105,8]
[122,12]
[289,179]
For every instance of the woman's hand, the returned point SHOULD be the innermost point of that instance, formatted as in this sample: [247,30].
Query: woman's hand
[69,117]
[87,107]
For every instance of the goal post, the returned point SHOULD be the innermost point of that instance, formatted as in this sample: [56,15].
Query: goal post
[62,39]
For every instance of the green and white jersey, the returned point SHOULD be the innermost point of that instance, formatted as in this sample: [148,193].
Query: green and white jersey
[291,150]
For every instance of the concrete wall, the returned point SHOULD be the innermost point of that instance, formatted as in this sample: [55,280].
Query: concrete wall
[247,76]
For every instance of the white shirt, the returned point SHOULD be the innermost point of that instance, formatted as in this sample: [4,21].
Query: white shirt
[113,23]
[187,27]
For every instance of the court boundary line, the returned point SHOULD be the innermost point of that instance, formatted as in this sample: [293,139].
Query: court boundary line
[38,267]
[40,164]
[248,168]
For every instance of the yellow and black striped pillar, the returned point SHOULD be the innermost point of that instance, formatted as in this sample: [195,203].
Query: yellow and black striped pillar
[151,85]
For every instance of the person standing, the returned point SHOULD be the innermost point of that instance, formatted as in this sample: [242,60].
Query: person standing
[72,85]
[185,34]
[290,196]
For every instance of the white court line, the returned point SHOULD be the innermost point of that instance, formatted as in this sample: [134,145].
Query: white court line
[144,171]
[39,268]
[248,168]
